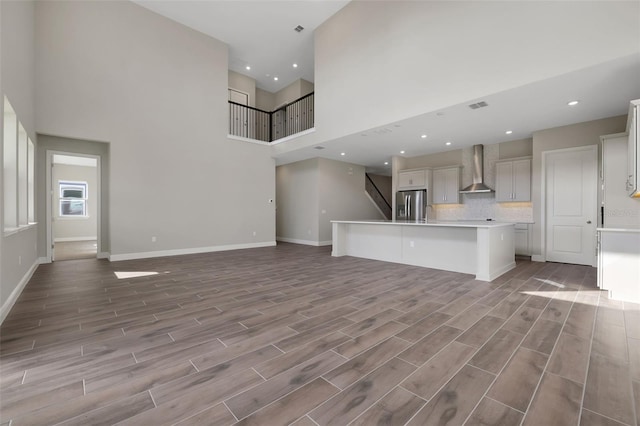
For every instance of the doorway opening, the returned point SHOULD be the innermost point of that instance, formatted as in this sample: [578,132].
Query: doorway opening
[74,208]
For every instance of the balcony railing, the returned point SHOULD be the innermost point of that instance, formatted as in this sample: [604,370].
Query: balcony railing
[254,123]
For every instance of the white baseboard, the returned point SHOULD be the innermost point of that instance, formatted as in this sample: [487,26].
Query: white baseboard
[72,239]
[13,297]
[103,255]
[178,252]
[538,258]
[304,242]
[43,260]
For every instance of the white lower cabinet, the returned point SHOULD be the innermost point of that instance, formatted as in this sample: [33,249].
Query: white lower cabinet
[619,263]
[522,239]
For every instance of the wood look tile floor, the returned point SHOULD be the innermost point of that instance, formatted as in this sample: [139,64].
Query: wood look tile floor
[290,335]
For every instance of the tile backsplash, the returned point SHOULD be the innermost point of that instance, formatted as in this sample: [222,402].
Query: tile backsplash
[482,207]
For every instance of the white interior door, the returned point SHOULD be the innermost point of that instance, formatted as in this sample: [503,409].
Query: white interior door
[571,205]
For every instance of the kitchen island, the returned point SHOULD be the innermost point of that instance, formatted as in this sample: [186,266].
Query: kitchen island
[485,249]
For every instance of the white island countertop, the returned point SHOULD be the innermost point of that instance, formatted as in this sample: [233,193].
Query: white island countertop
[483,248]
[446,223]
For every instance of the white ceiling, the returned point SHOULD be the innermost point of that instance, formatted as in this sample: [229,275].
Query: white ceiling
[603,91]
[260,33]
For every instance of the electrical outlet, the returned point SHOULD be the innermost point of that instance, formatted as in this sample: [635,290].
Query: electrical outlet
[412,244]
[254,233]
[154,239]
[19,260]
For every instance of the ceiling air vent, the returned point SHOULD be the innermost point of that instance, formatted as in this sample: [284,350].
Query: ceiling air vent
[481,104]
[318,147]
[298,29]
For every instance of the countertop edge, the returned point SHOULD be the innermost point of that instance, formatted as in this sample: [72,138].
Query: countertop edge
[625,230]
[437,224]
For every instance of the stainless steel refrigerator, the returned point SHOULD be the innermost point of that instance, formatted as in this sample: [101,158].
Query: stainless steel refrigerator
[411,205]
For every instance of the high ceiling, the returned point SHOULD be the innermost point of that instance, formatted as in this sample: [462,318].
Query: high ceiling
[603,91]
[260,33]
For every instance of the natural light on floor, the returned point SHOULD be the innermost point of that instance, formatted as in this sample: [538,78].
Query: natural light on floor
[133,274]
[569,296]
[549,282]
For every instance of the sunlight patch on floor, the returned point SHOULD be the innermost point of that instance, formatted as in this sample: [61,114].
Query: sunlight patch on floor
[133,274]
[543,280]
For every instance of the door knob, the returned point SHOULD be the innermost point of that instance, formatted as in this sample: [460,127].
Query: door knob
[589,222]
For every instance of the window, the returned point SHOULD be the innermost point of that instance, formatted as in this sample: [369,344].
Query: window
[23,186]
[73,199]
[10,167]
[31,182]
[18,172]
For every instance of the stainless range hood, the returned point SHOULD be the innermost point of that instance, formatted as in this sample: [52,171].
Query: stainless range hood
[478,186]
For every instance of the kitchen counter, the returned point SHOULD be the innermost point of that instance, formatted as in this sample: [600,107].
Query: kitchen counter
[439,223]
[629,230]
[483,248]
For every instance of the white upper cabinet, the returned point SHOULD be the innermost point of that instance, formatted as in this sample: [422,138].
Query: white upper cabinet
[633,157]
[513,180]
[412,179]
[446,185]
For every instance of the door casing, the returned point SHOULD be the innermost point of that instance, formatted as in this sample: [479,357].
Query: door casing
[49,199]
[593,149]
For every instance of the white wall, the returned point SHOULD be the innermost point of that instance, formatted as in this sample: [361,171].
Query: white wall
[292,92]
[75,228]
[314,192]
[394,64]
[243,84]
[297,190]
[265,100]
[157,92]
[18,252]
[268,101]
[342,195]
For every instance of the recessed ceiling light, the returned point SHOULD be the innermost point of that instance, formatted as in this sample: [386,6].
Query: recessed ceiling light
[573,103]
[295,65]
[448,143]
[343,153]
[508,132]
[248,67]
[275,78]
[401,152]
[423,136]
[386,163]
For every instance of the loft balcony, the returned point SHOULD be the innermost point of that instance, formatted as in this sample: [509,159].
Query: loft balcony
[253,123]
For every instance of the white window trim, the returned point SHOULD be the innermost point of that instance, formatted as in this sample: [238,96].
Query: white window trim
[85,188]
